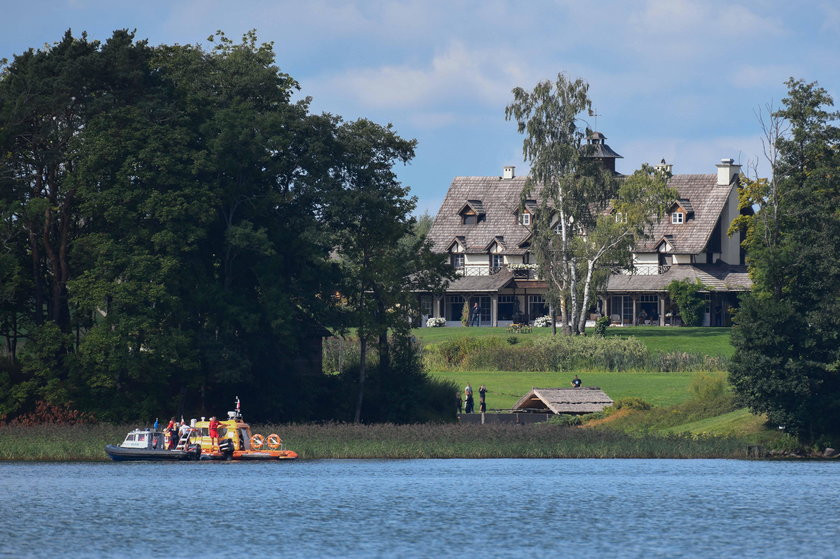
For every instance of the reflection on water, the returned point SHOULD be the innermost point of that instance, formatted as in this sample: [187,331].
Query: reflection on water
[422,508]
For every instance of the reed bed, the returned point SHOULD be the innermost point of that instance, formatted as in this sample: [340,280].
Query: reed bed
[313,441]
[389,441]
[78,443]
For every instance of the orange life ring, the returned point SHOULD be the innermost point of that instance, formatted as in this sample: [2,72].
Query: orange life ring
[274,441]
[257,441]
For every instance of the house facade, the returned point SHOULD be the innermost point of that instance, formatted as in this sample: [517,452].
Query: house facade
[485,235]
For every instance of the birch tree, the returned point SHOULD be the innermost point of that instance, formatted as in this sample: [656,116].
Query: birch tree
[566,181]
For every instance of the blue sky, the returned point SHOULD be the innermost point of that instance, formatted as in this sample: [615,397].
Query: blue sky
[674,79]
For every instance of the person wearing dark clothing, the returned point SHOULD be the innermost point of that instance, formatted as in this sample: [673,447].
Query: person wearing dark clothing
[482,402]
[475,315]
[469,404]
[173,437]
[576,382]
[460,402]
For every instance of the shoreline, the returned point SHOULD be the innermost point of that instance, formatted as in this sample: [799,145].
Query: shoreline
[85,443]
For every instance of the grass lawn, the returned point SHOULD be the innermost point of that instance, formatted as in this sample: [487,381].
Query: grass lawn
[505,388]
[709,341]
[740,423]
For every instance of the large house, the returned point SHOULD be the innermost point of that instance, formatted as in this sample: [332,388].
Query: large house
[485,233]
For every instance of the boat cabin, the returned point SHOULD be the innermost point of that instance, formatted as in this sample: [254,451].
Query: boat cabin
[145,438]
[233,428]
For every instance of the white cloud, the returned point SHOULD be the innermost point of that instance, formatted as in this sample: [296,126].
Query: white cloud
[456,75]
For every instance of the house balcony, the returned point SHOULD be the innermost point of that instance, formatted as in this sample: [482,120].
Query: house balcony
[648,270]
[519,272]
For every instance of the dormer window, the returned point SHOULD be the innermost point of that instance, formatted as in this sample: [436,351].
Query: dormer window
[472,212]
[525,218]
[457,260]
[620,218]
[677,218]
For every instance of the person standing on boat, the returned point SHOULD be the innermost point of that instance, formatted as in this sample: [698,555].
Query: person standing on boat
[213,429]
[173,436]
[469,404]
[167,431]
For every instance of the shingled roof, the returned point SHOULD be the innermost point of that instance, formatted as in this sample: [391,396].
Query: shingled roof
[715,277]
[492,282]
[587,399]
[499,200]
[701,195]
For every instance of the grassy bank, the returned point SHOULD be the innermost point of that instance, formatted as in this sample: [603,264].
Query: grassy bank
[707,341]
[506,387]
[85,443]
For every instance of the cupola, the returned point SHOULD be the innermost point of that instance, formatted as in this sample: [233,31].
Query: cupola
[597,148]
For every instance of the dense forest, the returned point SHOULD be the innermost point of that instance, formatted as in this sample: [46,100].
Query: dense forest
[176,230]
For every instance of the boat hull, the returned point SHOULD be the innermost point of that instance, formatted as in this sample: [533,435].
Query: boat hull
[264,455]
[120,454]
[249,455]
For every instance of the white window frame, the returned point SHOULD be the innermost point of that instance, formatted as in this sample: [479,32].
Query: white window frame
[526,218]
[677,218]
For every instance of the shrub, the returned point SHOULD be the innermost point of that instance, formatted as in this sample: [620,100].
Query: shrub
[564,419]
[601,326]
[680,361]
[690,304]
[631,403]
[436,322]
[553,353]
[542,321]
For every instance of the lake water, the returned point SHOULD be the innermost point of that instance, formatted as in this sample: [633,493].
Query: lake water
[422,508]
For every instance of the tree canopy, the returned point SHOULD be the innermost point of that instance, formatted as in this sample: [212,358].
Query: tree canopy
[787,357]
[588,218]
[174,229]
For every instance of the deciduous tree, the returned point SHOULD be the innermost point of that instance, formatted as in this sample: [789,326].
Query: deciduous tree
[787,346]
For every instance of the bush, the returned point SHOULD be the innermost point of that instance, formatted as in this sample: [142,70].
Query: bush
[690,304]
[601,326]
[436,322]
[631,403]
[404,393]
[554,353]
[566,419]
[542,322]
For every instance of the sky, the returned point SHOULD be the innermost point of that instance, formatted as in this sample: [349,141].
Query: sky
[675,79]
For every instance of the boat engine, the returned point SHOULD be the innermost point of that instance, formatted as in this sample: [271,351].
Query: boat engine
[226,447]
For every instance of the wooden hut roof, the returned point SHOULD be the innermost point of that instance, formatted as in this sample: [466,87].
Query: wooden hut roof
[586,399]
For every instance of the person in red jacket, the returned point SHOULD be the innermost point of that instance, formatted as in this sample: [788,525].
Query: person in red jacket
[213,429]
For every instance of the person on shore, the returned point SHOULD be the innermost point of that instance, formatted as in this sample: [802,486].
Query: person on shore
[475,315]
[576,382]
[213,431]
[460,403]
[482,395]
[469,405]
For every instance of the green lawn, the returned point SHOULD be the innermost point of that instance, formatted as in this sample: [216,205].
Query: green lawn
[709,341]
[505,388]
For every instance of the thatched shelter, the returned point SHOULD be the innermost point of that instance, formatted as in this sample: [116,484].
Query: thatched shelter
[586,399]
